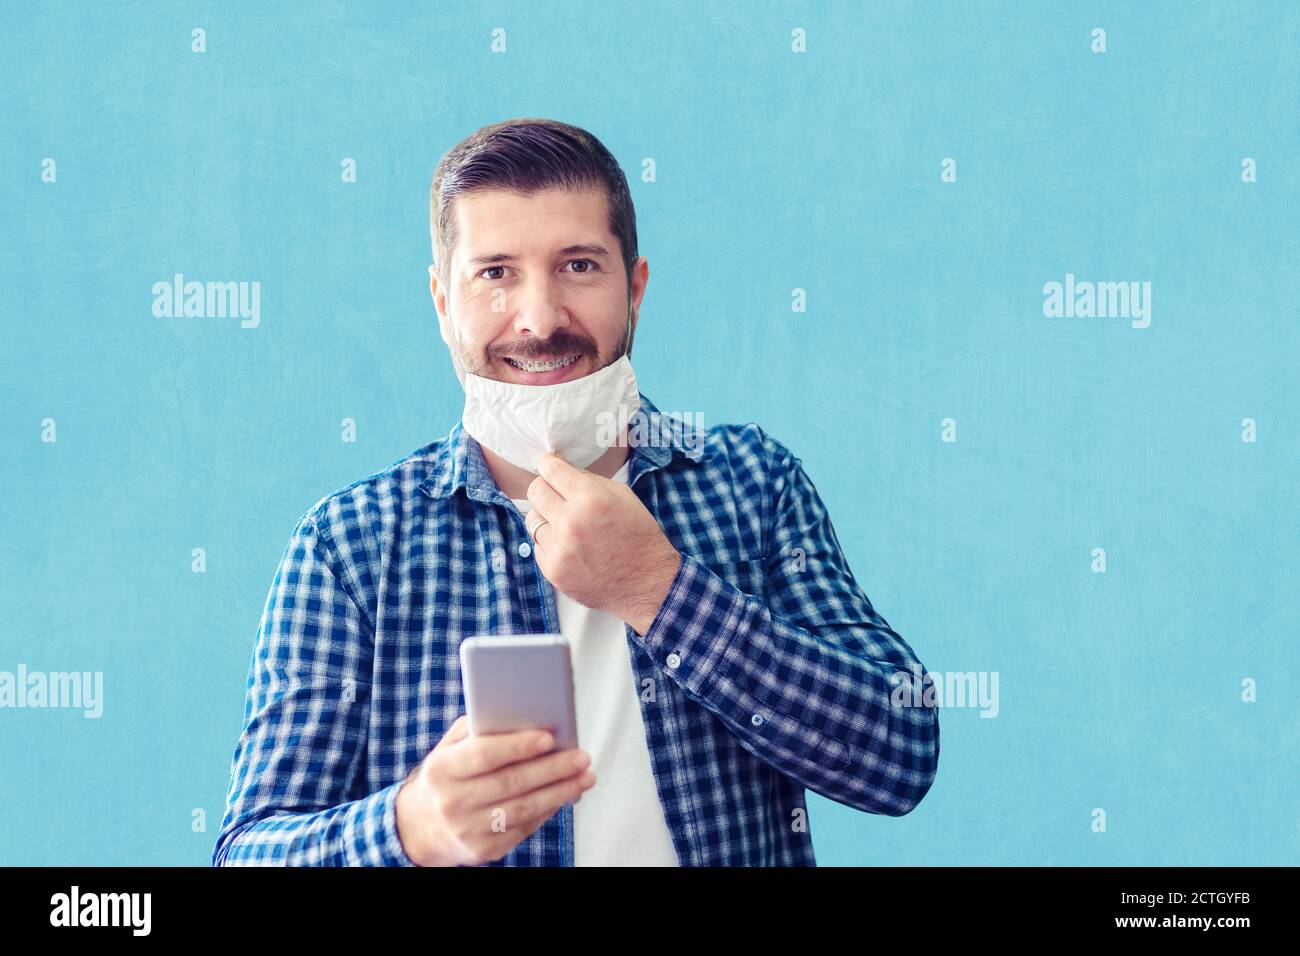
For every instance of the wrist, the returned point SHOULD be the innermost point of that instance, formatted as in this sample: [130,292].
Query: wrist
[409,832]
[660,582]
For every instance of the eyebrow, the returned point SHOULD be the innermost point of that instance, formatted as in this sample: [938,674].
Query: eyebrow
[582,248]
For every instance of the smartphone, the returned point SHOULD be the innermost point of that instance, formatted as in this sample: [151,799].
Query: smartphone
[520,682]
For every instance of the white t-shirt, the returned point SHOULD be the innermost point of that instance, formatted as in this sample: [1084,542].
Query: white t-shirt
[619,821]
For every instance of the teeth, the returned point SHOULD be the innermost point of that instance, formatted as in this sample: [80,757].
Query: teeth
[551,366]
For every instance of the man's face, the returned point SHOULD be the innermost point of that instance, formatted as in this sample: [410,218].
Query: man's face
[536,291]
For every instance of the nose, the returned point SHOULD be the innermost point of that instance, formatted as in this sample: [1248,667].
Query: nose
[540,310]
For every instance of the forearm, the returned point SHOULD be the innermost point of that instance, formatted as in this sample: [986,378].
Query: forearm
[302,748]
[818,707]
[359,833]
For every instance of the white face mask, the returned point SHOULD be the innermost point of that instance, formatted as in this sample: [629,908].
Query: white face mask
[580,419]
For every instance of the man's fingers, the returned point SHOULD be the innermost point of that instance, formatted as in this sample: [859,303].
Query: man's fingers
[533,521]
[525,776]
[546,500]
[491,752]
[563,477]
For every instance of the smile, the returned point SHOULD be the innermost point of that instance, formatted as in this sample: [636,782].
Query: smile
[524,365]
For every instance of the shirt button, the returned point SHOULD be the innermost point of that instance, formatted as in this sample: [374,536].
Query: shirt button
[525,549]
[674,661]
[757,720]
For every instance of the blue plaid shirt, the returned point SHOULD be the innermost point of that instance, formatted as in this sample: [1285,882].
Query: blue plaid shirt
[765,672]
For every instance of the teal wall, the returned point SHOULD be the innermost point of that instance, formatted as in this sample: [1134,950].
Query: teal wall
[774,170]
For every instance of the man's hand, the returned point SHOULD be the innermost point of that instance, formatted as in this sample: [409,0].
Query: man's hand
[599,544]
[474,797]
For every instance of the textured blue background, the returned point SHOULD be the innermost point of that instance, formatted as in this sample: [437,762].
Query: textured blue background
[775,171]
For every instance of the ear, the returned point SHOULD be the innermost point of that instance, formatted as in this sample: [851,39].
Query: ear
[640,277]
[439,307]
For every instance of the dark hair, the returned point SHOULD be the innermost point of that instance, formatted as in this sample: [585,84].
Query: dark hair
[526,155]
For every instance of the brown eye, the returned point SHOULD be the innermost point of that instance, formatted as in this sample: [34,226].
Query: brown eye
[489,269]
[586,261]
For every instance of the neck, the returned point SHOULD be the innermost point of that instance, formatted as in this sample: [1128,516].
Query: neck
[514,481]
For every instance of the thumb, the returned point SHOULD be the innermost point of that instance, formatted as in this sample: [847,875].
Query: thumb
[565,478]
[458,730]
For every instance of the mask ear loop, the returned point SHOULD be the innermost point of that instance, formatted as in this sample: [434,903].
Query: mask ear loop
[627,352]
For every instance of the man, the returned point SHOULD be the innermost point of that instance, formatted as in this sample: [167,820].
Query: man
[725,659]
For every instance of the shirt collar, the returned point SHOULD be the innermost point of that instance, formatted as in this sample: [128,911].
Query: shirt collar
[458,461]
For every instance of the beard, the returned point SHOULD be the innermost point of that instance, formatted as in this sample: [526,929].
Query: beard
[559,344]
